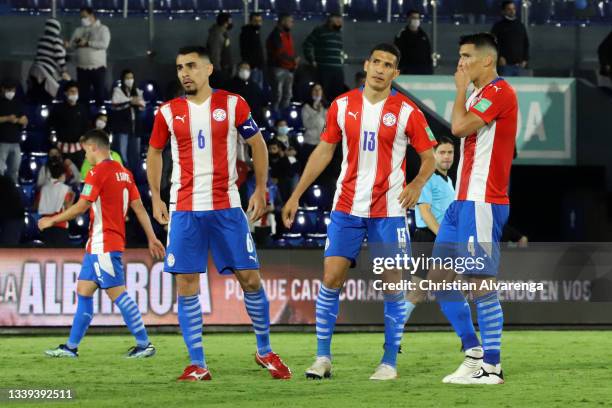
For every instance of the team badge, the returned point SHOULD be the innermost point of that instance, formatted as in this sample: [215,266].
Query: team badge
[219,115]
[389,119]
[171,260]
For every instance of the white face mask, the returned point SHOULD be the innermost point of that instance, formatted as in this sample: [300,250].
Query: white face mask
[129,83]
[85,21]
[100,124]
[283,130]
[244,74]
[73,98]
[414,24]
[9,95]
[316,99]
[511,18]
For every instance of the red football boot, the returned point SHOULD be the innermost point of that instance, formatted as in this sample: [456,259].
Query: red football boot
[195,373]
[275,365]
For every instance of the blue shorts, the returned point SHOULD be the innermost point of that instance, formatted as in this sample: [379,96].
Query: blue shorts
[387,237]
[106,269]
[225,233]
[470,234]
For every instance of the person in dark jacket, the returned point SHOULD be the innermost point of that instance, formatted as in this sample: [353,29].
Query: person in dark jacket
[283,61]
[243,85]
[128,102]
[324,49]
[70,120]
[11,213]
[415,47]
[251,47]
[220,50]
[512,41]
[12,122]
[605,56]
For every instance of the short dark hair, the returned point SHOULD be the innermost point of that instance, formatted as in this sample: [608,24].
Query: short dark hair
[505,3]
[88,10]
[255,14]
[334,15]
[8,83]
[198,49]
[283,16]
[443,140]
[387,47]
[480,40]
[413,11]
[223,18]
[56,167]
[100,114]
[70,84]
[96,136]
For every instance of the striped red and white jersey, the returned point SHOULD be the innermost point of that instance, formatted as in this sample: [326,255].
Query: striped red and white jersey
[110,188]
[374,141]
[486,156]
[204,143]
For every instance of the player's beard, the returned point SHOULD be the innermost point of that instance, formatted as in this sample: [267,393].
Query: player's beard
[191,91]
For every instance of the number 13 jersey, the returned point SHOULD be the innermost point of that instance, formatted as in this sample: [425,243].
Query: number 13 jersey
[204,142]
[374,141]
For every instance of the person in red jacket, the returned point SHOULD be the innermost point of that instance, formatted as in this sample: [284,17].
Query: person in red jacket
[282,60]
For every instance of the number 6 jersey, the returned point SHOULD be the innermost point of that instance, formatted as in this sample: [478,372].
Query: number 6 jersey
[204,142]
[374,141]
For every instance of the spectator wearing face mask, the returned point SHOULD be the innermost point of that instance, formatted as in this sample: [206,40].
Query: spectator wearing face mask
[12,122]
[49,66]
[91,40]
[314,114]
[72,177]
[70,120]
[280,168]
[55,197]
[324,49]
[128,102]
[282,132]
[219,47]
[243,85]
[414,47]
[283,62]
[512,41]
[251,47]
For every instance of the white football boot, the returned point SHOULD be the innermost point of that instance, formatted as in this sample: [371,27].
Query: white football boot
[487,374]
[471,364]
[320,369]
[384,372]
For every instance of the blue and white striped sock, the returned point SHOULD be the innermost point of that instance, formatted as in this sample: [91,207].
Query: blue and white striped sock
[190,320]
[132,318]
[490,324]
[81,321]
[258,308]
[328,303]
[396,314]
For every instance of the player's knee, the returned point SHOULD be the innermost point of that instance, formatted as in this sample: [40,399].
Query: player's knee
[416,296]
[188,284]
[250,280]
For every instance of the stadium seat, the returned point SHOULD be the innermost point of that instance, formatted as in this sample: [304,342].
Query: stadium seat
[150,91]
[35,141]
[317,196]
[30,166]
[410,220]
[323,220]
[140,172]
[78,227]
[293,116]
[30,227]
[315,240]
[292,240]
[37,115]
[28,194]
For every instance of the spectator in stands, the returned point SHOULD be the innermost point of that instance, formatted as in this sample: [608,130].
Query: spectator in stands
[243,85]
[251,47]
[323,48]
[11,212]
[605,56]
[282,132]
[70,121]
[127,104]
[91,41]
[360,78]
[314,113]
[280,168]
[220,50]
[12,122]
[72,176]
[415,47]
[49,66]
[283,61]
[512,40]
[55,197]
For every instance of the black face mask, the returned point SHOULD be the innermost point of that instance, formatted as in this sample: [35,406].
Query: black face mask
[336,27]
[230,26]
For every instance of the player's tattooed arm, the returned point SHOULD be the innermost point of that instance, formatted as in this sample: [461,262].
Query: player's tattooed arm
[79,208]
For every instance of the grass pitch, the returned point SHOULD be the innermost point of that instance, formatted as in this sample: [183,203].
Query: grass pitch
[542,369]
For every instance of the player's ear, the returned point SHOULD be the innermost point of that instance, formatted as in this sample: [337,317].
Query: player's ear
[365,65]
[396,73]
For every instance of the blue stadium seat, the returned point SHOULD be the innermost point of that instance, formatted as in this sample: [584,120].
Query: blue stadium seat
[323,220]
[317,196]
[37,116]
[293,116]
[30,227]
[140,172]
[291,240]
[28,194]
[78,228]
[30,166]
[315,240]
[35,141]
[305,222]
[410,220]
[150,91]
